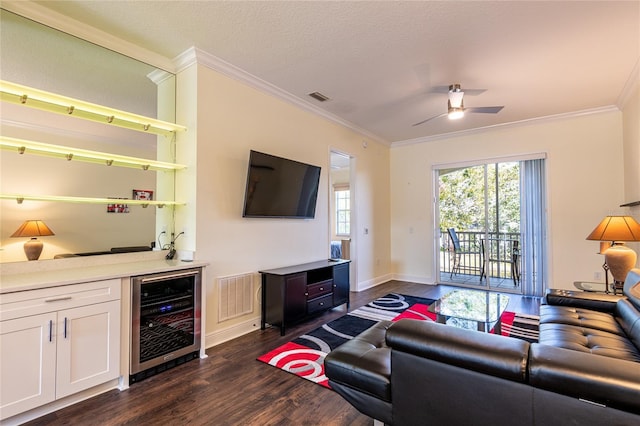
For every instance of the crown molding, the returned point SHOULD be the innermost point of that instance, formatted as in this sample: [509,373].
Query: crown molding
[159,76]
[194,55]
[513,124]
[50,18]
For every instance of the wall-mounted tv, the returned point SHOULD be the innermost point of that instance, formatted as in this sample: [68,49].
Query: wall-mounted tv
[280,188]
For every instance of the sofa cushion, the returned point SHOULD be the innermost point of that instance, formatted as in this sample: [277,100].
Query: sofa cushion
[632,287]
[579,317]
[629,319]
[613,383]
[363,362]
[584,339]
[486,353]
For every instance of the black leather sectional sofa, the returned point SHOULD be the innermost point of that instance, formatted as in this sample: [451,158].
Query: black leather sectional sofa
[585,369]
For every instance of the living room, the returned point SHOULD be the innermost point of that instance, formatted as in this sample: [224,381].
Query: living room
[593,167]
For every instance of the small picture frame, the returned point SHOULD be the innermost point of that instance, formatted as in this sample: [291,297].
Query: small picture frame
[142,194]
[117,207]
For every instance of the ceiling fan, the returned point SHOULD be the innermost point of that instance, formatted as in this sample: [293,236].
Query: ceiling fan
[456,107]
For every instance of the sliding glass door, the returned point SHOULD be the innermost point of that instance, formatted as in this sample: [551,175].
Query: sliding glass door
[491,223]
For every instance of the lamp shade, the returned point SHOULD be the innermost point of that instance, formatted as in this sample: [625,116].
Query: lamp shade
[616,228]
[618,258]
[33,228]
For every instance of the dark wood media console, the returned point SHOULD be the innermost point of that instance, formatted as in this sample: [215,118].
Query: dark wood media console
[293,293]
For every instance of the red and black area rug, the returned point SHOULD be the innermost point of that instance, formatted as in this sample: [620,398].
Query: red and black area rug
[304,356]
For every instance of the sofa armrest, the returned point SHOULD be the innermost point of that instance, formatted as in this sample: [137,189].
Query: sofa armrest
[602,380]
[490,354]
[579,299]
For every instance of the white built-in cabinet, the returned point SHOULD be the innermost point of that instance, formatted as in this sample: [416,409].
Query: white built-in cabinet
[57,341]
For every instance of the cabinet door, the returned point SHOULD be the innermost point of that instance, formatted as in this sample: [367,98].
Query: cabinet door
[295,306]
[341,284]
[27,363]
[88,347]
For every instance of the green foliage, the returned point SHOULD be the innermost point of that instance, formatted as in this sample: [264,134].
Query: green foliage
[462,198]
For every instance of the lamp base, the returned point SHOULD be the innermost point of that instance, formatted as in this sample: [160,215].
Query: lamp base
[33,248]
[620,260]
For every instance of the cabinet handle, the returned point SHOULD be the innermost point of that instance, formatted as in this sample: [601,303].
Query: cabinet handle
[50,330]
[58,299]
[65,327]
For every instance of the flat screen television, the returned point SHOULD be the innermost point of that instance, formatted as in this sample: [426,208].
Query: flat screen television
[280,188]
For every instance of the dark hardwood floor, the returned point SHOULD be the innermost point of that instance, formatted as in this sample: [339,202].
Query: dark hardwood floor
[231,387]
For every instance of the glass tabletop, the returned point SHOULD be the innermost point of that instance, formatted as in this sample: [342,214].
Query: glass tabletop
[472,305]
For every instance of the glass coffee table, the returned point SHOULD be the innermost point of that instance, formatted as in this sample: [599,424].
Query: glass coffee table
[473,309]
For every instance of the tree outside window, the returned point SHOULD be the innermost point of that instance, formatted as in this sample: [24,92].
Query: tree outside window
[343,212]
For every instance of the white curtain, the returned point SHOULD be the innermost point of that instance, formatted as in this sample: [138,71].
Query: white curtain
[533,226]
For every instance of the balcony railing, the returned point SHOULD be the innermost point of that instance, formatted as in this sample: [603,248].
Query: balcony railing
[503,254]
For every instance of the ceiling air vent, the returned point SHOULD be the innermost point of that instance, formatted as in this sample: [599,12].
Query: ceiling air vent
[319,96]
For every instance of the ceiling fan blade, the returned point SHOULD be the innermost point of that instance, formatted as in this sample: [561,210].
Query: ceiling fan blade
[485,110]
[429,119]
[473,92]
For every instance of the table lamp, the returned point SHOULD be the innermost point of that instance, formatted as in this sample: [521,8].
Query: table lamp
[33,229]
[618,258]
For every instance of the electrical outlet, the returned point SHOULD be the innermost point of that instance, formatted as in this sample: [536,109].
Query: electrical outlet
[597,276]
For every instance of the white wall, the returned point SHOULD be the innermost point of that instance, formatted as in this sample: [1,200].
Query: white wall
[233,118]
[585,183]
[631,131]
[631,137]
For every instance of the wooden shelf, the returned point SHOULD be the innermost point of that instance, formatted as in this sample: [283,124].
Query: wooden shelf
[64,105]
[631,204]
[87,156]
[20,198]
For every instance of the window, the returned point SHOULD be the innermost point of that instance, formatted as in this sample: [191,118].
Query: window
[343,211]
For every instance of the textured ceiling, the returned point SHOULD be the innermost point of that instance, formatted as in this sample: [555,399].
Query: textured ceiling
[383,64]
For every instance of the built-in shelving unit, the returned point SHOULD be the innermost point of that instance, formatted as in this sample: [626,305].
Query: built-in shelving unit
[39,99]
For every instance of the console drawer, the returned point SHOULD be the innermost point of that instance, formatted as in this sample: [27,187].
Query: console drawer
[320,304]
[319,289]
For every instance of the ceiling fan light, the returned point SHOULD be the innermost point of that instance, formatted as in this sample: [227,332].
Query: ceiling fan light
[455,113]
[455,98]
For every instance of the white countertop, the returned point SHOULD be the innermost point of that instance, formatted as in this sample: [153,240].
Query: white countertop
[12,282]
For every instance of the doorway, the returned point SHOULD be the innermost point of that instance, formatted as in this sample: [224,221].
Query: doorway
[491,223]
[341,202]
[479,214]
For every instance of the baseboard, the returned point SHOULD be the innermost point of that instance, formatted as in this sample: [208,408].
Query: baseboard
[414,279]
[365,285]
[220,336]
